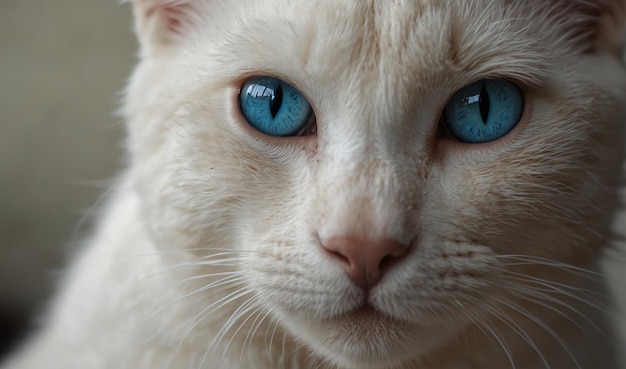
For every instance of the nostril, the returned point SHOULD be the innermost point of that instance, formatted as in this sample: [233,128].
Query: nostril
[341,257]
[387,262]
[396,253]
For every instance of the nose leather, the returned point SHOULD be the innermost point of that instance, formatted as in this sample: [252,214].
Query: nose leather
[365,261]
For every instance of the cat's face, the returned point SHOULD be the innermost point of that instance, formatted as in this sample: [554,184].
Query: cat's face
[449,223]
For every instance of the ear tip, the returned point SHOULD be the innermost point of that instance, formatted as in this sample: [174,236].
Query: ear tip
[161,21]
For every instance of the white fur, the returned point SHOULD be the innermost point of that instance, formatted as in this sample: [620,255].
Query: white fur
[209,253]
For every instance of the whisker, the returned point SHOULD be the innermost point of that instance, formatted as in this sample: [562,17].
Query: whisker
[247,310]
[506,320]
[271,343]
[262,320]
[209,309]
[229,279]
[208,275]
[537,298]
[523,260]
[284,347]
[254,325]
[189,264]
[228,324]
[551,287]
[213,251]
[545,326]
[482,324]
[110,188]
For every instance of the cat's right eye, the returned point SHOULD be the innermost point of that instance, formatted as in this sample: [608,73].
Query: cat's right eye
[484,111]
[274,107]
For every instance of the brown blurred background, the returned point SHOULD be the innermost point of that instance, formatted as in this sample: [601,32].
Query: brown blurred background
[62,65]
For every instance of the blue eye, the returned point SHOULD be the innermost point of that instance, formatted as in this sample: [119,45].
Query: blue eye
[484,111]
[274,107]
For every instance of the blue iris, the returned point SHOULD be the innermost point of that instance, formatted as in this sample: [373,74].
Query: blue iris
[484,111]
[274,107]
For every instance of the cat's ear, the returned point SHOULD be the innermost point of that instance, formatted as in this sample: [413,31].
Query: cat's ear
[600,25]
[161,23]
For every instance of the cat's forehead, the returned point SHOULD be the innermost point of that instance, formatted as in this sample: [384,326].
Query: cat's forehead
[335,33]
[416,41]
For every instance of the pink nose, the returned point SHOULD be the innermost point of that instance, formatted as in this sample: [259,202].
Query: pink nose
[365,261]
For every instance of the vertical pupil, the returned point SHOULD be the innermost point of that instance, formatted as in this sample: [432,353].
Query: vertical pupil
[483,104]
[276,100]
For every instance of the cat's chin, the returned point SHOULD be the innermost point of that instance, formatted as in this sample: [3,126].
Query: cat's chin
[368,338]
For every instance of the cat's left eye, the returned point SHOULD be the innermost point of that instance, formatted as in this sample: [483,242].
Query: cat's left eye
[275,107]
[483,111]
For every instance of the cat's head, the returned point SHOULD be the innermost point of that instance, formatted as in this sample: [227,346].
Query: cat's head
[452,151]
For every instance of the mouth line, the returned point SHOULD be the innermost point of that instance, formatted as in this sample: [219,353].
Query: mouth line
[365,309]
[366,314]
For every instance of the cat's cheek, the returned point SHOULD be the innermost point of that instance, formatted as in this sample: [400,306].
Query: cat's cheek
[296,281]
[440,275]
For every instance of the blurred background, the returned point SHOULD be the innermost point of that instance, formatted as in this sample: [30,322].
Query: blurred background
[62,65]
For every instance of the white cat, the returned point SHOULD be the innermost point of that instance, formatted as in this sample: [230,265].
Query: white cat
[356,184]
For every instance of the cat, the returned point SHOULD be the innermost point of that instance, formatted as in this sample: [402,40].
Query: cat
[372,184]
